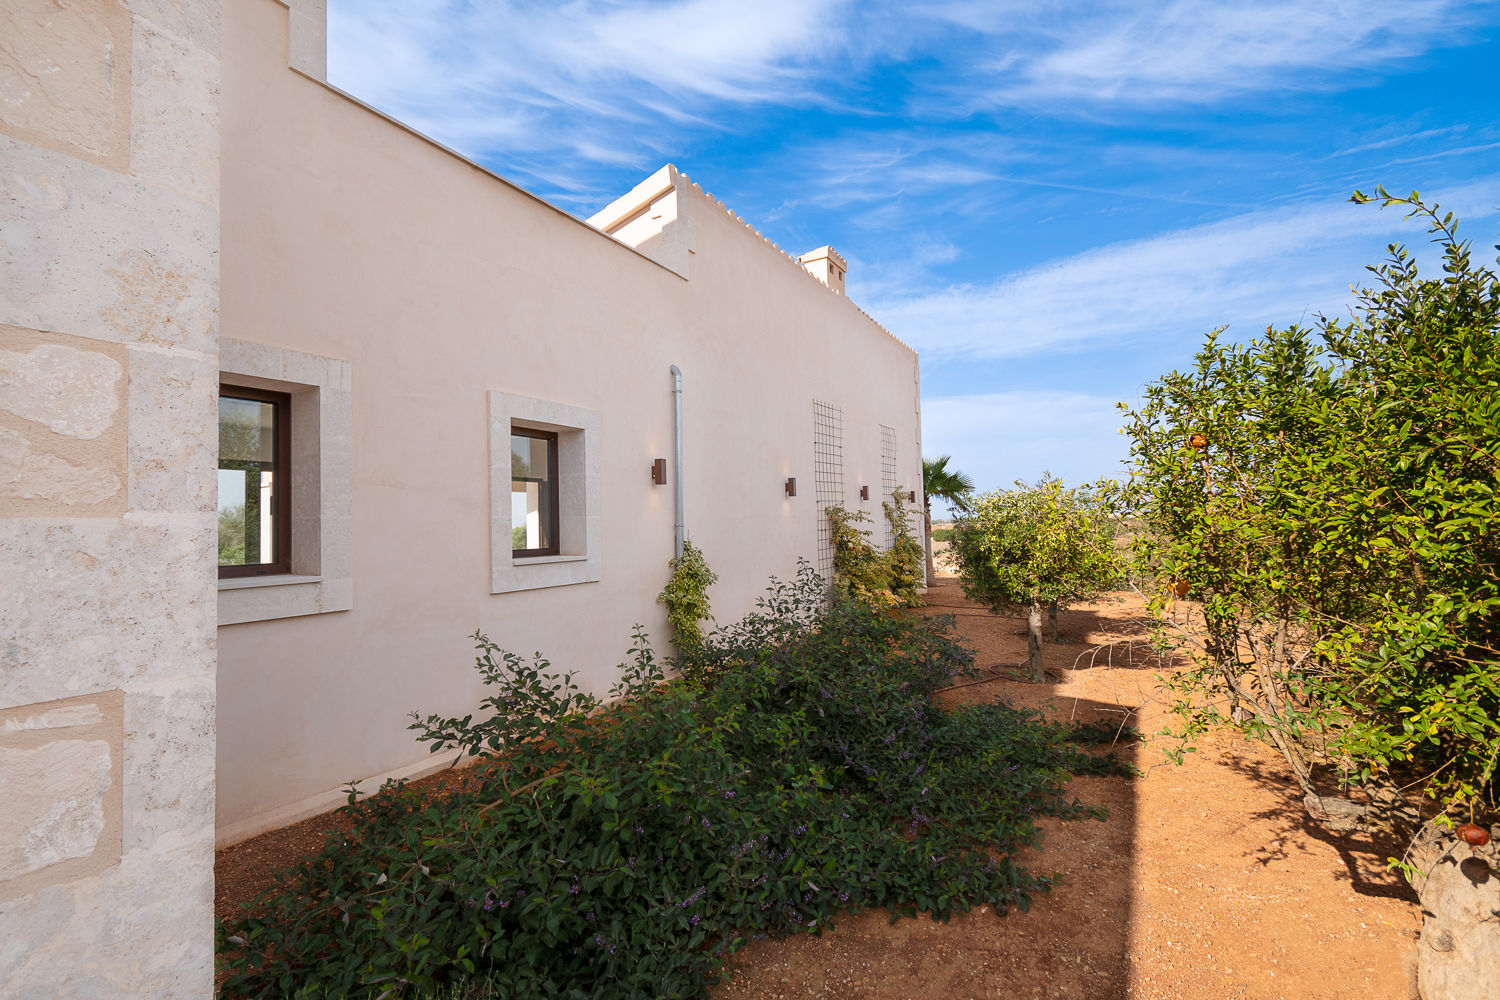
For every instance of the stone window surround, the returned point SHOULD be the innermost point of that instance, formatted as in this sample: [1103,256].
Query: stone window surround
[321,578]
[577,432]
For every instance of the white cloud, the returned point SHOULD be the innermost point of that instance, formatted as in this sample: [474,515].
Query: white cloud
[487,74]
[997,438]
[1278,266]
[1199,51]
[1400,138]
[575,99]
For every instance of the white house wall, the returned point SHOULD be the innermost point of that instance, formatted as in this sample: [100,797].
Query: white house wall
[349,238]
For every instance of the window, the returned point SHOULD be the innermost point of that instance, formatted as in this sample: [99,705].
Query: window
[533,492]
[544,494]
[255,496]
[302,561]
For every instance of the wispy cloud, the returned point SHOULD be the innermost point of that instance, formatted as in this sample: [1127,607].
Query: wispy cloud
[1401,139]
[1278,266]
[1199,51]
[614,81]
[484,75]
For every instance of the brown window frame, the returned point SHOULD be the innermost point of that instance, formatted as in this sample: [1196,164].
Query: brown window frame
[556,547]
[281,493]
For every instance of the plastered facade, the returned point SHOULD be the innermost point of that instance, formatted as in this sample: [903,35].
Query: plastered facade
[109,302]
[450,294]
[171,171]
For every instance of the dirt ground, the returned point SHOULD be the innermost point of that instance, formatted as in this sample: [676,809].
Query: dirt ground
[1205,883]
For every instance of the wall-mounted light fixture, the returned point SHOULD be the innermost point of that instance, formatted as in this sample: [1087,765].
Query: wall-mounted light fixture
[864,492]
[659,472]
[791,486]
[911,496]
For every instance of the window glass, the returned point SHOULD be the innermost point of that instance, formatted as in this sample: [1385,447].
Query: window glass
[533,493]
[253,497]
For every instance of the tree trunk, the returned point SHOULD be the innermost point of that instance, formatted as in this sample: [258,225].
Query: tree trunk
[1052,615]
[1034,642]
[927,524]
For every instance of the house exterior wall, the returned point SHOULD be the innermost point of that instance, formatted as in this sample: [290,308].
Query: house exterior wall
[447,292]
[109,299]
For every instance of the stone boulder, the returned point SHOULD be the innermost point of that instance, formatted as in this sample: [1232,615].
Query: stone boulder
[1458,955]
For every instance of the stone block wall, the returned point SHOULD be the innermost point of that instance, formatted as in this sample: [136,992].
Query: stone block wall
[109,304]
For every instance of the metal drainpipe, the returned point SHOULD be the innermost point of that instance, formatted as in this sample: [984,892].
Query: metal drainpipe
[677,468]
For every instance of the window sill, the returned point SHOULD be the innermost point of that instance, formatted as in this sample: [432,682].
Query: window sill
[545,560]
[265,598]
[276,580]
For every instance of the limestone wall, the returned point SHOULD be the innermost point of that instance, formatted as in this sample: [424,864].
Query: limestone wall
[109,304]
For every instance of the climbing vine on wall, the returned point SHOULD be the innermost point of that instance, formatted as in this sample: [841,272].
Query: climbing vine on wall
[686,597]
[863,573]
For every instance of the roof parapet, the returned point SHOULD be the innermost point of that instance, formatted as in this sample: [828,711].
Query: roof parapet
[827,265]
[649,219]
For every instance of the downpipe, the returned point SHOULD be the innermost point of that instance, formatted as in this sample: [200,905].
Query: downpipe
[677,458]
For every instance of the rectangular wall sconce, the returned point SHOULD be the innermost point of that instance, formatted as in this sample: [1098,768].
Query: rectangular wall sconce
[791,486]
[864,492]
[659,472]
[911,496]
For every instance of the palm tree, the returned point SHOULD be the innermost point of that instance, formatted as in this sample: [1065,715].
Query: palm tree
[948,485]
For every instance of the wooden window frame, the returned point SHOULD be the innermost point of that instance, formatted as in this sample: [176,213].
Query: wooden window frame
[552,507]
[281,495]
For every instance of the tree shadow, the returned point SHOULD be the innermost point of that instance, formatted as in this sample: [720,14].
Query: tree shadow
[1364,854]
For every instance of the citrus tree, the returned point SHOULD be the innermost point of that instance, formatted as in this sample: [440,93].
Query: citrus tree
[1039,546]
[1331,498]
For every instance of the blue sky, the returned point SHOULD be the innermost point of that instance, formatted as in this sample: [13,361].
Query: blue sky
[1052,203]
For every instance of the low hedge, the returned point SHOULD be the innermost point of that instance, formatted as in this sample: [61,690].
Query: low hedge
[804,770]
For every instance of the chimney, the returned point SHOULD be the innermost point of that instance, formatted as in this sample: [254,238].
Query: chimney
[827,266]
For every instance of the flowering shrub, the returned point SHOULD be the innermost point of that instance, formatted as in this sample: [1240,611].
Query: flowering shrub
[624,855]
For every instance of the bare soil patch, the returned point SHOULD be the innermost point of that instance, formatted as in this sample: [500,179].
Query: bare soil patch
[1205,883]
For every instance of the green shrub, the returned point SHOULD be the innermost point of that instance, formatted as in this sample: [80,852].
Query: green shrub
[623,855]
[864,574]
[686,597]
[859,572]
[905,558]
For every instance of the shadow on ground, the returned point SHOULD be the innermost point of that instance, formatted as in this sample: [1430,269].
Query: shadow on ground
[1365,855]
